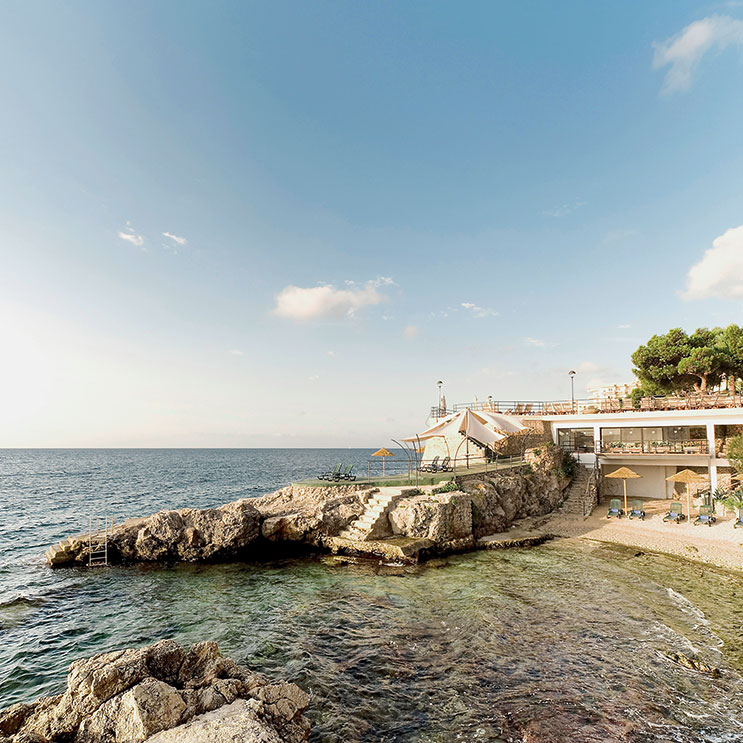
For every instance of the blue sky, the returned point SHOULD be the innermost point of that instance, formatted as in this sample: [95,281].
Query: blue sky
[278,224]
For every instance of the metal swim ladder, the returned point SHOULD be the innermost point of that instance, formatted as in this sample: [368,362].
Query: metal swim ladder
[98,540]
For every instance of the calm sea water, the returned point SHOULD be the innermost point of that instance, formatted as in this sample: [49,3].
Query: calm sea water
[565,640]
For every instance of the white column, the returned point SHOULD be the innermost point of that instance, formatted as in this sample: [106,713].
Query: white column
[711,439]
[596,434]
[712,476]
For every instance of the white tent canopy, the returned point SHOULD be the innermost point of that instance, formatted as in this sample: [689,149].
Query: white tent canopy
[469,423]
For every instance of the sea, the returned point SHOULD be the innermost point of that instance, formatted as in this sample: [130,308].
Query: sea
[567,641]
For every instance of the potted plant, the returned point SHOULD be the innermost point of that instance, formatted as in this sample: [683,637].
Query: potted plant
[734,501]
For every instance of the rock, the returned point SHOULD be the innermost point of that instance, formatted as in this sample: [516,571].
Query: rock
[12,718]
[239,722]
[129,696]
[693,664]
[442,518]
[300,514]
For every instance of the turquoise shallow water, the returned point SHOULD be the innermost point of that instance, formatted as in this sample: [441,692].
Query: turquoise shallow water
[555,643]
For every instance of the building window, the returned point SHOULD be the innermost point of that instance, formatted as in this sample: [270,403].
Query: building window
[576,439]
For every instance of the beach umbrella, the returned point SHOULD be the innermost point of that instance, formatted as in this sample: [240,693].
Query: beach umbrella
[624,474]
[688,477]
[384,453]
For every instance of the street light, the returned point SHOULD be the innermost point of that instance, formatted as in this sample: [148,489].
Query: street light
[571,374]
[439,383]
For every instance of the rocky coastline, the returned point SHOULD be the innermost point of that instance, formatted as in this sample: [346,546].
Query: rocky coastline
[414,523]
[163,693]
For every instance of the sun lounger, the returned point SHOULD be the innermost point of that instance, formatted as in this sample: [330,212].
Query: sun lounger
[615,509]
[636,512]
[445,465]
[331,475]
[705,516]
[432,466]
[346,475]
[675,513]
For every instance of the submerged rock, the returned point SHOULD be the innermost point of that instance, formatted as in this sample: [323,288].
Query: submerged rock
[132,696]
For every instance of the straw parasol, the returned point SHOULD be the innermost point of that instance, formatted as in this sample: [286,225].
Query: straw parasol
[624,474]
[687,476]
[384,453]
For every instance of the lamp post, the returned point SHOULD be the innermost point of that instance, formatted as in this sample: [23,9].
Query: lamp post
[571,374]
[439,383]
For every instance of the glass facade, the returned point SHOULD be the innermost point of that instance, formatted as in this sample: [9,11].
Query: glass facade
[655,440]
[576,439]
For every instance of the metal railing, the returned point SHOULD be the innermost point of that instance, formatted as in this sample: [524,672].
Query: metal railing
[590,406]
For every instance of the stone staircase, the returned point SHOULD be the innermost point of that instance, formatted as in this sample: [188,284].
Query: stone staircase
[582,494]
[373,523]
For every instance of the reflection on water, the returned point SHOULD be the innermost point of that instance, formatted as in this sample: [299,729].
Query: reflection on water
[560,642]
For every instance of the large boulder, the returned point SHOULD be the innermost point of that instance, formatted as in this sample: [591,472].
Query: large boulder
[129,696]
[307,514]
[442,517]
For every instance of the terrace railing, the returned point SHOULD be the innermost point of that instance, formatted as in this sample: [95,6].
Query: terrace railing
[588,406]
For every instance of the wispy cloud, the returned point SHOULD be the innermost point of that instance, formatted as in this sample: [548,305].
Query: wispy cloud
[624,327]
[314,378]
[683,52]
[312,303]
[130,236]
[410,331]
[565,209]
[236,352]
[479,311]
[539,343]
[720,271]
[175,238]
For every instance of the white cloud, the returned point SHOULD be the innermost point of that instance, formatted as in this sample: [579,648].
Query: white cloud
[683,52]
[624,327]
[720,271]
[410,331]
[311,303]
[565,209]
[132,237]
[587,367]
[539,343]
[314,378]
[478,311]
[175,238]
[236,352]
[332,353]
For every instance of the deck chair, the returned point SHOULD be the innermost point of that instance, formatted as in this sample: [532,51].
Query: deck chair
[445,465]
[636,512]
[705,516]
[615,509]
[331,474]
[432,466]
[675,513]
[346,475]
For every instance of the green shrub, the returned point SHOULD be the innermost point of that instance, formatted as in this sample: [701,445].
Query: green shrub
[735,451]
[569,466]
[414,491]
[448,487]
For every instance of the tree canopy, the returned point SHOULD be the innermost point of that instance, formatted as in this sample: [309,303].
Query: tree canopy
[676,362]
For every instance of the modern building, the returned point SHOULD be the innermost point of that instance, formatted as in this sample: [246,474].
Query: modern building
[664,437]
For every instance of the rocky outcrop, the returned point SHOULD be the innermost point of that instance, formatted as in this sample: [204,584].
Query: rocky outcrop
[308,514]
[439,517]
[487,503]
[188,535]
[163,694]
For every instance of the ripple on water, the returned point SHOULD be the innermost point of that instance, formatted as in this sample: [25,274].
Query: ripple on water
[557,641]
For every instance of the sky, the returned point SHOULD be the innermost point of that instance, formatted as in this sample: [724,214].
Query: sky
[280,224]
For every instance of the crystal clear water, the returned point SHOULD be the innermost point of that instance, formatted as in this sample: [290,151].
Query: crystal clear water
[556,643]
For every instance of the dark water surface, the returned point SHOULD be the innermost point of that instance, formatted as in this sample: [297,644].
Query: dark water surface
[563,642]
